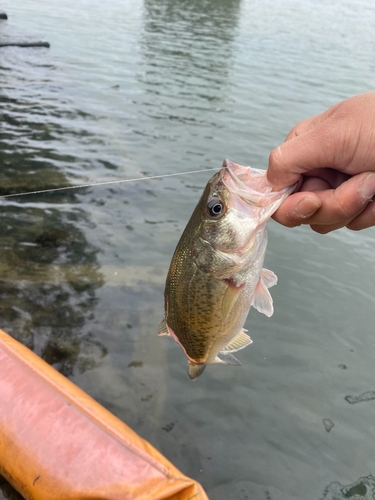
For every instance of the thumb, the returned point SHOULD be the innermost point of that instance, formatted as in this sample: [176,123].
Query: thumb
[313,149]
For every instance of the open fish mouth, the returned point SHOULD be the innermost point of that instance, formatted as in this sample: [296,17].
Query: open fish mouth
[251,184]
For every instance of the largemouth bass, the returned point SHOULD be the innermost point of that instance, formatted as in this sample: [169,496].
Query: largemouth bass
[216,273]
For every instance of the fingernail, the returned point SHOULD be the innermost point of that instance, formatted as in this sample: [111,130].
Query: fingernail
[306,207]
[367,187]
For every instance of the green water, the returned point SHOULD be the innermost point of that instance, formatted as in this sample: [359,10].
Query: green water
[133,88]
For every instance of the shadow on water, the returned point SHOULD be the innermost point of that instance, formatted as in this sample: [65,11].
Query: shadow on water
[7,492]
[49,272]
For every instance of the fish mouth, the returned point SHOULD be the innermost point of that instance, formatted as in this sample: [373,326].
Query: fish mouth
[251,184]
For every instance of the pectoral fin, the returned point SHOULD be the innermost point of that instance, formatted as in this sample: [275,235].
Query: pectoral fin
[230,297]
[268,277]
[163,329]
[262,298]
[240,341]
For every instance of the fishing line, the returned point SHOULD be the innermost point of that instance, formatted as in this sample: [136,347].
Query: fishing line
[105,183]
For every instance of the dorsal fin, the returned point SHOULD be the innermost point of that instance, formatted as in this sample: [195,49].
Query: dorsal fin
[163,329]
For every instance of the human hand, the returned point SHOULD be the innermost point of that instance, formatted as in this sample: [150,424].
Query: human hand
[332,157]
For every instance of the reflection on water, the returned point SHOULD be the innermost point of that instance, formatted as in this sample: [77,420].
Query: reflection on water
[187,59]
[189,48]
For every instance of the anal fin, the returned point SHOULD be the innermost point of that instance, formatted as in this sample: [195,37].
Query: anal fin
[240,341]
[227,358]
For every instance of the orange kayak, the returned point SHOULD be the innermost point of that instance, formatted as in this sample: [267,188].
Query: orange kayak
[57,443]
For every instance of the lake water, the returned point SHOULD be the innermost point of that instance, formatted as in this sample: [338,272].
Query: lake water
[134,88]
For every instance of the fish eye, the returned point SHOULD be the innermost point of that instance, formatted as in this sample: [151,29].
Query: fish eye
[215,207]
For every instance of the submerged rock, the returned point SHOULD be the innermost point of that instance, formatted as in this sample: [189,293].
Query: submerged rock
[363,489]
[328,424]
[365,396]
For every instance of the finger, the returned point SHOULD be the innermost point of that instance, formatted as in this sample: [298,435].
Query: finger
[305,126]
[299,206]
[332,178]
[326,229]
[313,149]
[310,123]
[342,205]
[297,209]
[314,184]
[329,209]
[365,219]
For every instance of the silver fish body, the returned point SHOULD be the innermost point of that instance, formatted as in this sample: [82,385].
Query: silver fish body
[216,273]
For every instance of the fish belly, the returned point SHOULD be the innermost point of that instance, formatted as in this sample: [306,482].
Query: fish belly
[240,310]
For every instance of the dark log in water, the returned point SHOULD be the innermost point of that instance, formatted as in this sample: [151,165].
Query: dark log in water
[3,15]
[25,44]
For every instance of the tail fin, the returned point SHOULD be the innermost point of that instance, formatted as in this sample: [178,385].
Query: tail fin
[195,369]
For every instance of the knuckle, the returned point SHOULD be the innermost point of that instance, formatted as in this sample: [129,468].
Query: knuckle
[343,210]
[300,128]
[364,220]
[321,229]
[275,158]
[286,221]
[291,224]
[353,226]
[345,205]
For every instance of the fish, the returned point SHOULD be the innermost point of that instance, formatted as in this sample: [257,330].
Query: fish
[216,273]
